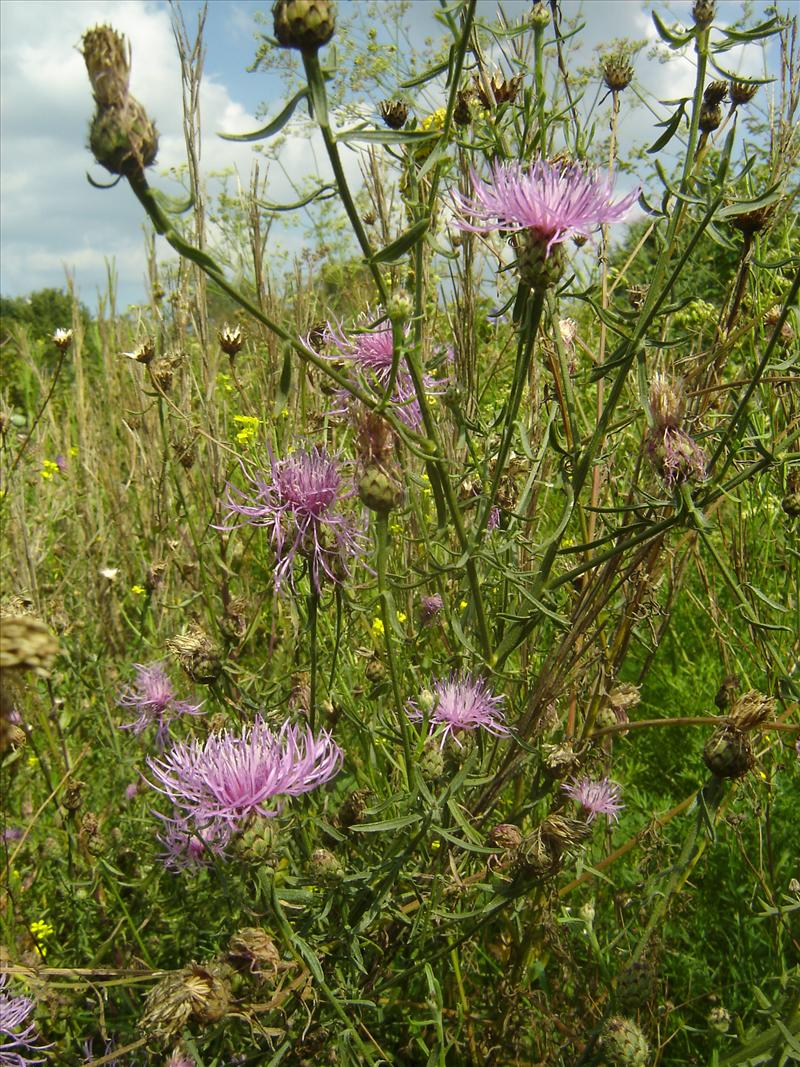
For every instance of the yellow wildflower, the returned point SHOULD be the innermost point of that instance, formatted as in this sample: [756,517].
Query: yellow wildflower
[378,627]
[49,468]
[463,604]
[401,616]
[41,930]
[224,381]
[249,428]
[138,590]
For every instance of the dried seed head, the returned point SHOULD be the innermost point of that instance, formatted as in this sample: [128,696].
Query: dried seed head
[728,754]
[715,92]
[375,671]
[197,654]
[771,320]
[461,112]
[751,710]
[394,113]
[624,698]
[72,797]
[254,950]
[505,836]
[353,808]
[304,24]
[617,71]
[703,12]
[231,339]
[637,294]
[636,984]
[667,402]
[107,57]
[143,353]
[750,222]
[742,92]
[26,644]
[163,370]
[197,992]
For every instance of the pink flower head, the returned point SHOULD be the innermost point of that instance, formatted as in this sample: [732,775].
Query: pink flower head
[557,202]
[463,703]
[188,847]
[596,798]
[153,698]
[297,500]
[17,1038]
[226,778]
[429,608]
[369,353]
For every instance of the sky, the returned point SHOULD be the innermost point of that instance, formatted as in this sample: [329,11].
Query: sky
[52,221]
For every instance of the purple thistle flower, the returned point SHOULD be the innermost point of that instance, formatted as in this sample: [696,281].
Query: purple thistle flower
[494,519]
[556,202]
[596,798]
[297,501]
[15,1037]
[221,781]
[429,607]
[153,697]
[187,847]
[463,703]
[370,354]
[676,456]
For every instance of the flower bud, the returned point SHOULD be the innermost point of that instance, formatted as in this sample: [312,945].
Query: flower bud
[505,836]
[375,672]
[252,948]
[377,490]
[123,139]
[624,1044]
[539,16]
[715,92]
[324,868]
[431,762]
[617,72]
[636,984]
[703,12]
[304,24]
[197,654]
[719,1019]
[728,754]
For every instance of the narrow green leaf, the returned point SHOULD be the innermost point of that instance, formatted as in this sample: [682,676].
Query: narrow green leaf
[392,252]
[271,128]
[672,125]
[671,37]
[365,136]
[325,192]
[389,824]
[426,76]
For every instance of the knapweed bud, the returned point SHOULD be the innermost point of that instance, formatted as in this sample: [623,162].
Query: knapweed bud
[400,306]
[675,456]
[637,294]
[231,339]
[107,57]
[728,754]
[431,762]
[703,12]
[62,339]
[617,71]
[719,1019]
[636,984]
[254,950]
[72,797]
[539,16]
[123,139]
[304,24]
[624,1044]
[257,842]
[536,266]
[667,403]
[587,912]
[377,490]
[394,113]
[742,92]
[324,868]
[771,320]
[375,671]
[429,608]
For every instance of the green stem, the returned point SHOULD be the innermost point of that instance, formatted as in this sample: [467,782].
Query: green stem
[313,612]
[382,526]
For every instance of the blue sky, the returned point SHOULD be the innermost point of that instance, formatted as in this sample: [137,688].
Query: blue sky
[53,221]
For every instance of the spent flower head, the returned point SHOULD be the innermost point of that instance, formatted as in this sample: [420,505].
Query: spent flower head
[152,696]
[298,500]
[223,780]
[462,702]
[596,798]
[18,1038]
